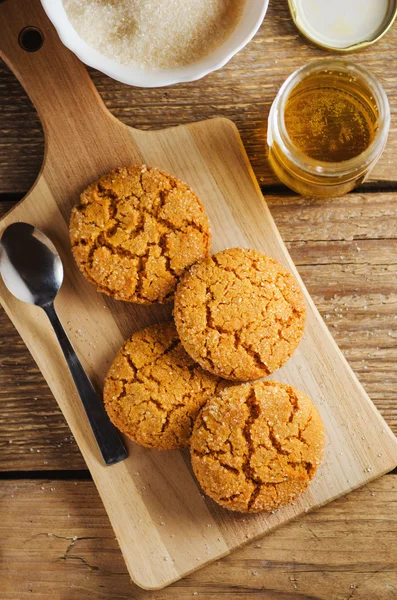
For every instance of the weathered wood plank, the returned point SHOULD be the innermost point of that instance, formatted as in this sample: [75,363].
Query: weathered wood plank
[344,250]
[242,91]
[56,542]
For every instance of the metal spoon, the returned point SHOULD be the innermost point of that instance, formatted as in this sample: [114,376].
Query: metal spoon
[32,270]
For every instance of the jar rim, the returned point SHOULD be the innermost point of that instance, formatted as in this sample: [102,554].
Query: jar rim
[323,168]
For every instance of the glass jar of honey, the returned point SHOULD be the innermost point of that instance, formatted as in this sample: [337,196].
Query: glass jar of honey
[327,128]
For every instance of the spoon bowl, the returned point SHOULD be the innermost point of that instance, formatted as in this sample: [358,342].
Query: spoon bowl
[30,265]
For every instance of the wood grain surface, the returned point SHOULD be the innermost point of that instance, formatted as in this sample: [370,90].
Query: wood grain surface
[56,543]
[139,493]
[242,91]
[345,251]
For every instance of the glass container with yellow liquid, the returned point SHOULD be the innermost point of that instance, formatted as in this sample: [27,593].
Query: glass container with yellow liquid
[327,128]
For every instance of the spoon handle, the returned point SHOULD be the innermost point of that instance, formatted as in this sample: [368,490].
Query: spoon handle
[106,435]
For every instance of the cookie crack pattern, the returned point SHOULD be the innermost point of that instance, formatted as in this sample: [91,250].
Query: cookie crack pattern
[278,444]
[254,413]
[223,267]
[293,398]
[257,446]
[168,259]
[251,314]
[302,431]
[229,498]
[215,455]
[208,362]
[275,441]
[142,226]
[256,358]
[154,391]
[151,359]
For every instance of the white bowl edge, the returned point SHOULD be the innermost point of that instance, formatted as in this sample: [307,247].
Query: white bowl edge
[251,20]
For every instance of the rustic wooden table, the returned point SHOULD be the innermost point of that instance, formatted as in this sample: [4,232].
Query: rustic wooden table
[56,541]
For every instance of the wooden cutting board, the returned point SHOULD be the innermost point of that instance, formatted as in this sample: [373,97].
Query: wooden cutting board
[165,526]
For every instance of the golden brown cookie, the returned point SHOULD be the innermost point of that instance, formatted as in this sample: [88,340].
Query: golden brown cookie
[239,314]
[154,390]
[256,446]
[135,232]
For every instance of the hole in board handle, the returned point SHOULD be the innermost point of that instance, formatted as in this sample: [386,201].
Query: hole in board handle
[30,39]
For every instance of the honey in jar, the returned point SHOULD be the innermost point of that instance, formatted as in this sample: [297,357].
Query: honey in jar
[327,128]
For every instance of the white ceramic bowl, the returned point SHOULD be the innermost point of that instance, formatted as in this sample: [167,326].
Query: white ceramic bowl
[251,19]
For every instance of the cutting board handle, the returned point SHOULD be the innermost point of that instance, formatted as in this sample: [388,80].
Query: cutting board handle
[58,84]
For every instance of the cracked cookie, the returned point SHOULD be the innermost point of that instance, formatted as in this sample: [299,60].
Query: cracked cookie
[256,446]
[154,390]
[135,232]
[239,314]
